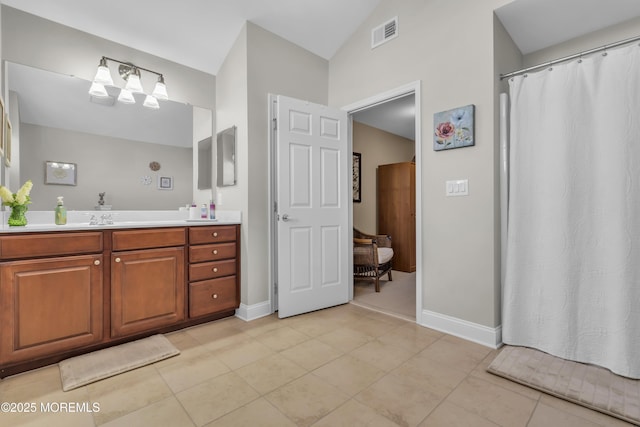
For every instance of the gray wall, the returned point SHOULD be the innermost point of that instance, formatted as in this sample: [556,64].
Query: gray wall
[105,164]
[624,30]
[460,254]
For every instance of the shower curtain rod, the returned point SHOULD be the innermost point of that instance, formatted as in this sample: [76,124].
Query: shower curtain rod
[570,57]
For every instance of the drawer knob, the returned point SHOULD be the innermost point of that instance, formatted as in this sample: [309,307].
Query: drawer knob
[117,259]
[215,252]
[214,296]
[215,234]
[96,262]
[215,269]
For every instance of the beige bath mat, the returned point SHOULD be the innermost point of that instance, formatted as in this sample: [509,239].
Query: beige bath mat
[82,370]
[587,385]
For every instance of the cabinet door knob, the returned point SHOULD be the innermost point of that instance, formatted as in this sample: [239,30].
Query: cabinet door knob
[214,296]
[117,259]
[215,252]
[215,269]
[96,262]
[215,234]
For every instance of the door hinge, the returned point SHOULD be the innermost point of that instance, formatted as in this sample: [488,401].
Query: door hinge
[275,124]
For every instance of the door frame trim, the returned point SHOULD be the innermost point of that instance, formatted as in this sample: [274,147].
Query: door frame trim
[380,98]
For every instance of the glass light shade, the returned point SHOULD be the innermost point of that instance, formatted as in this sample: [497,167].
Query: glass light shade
[98,90]
[151,102]
[133,83]
[126,97]
[160,91]
[103,76]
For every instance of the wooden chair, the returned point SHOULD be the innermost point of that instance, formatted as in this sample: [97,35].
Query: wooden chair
[372,255]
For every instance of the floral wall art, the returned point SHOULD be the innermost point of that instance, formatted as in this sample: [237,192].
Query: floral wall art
[453,128]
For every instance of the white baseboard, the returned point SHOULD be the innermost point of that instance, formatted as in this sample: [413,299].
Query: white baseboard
[489,337]
[253,311]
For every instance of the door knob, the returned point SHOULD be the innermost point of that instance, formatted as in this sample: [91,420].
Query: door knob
[117,259]
[96,262]
[285,217]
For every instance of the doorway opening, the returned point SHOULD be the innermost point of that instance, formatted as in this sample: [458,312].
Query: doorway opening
[386,131]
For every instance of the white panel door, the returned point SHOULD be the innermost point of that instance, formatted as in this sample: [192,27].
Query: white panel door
[313,193]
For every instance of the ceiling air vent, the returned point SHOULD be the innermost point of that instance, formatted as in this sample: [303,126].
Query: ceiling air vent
[385,32]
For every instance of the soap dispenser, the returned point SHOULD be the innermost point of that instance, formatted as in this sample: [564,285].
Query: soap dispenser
[61,212]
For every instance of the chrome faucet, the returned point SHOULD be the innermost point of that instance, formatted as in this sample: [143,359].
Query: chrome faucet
[105,219]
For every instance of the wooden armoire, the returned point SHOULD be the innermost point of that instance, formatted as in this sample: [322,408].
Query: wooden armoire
[397,211]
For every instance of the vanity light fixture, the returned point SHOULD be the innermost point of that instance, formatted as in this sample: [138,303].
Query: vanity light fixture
[126,97]
[103,76]
[133,80]
[131,74]
[98,90]
[151,102]
[160,91]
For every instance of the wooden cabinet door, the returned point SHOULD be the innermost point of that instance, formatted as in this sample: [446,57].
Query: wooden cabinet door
[397,212]
[147,290]
[49,305]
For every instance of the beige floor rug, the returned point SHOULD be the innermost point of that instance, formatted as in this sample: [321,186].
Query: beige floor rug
[587,385]
[87,368]
[397,297]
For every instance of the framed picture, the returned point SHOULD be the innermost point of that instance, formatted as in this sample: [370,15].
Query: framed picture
[60,173]
[165,183]
[357,160]
[7,141]
[454,128]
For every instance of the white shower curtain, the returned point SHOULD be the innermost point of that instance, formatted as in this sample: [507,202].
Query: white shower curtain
[572,286]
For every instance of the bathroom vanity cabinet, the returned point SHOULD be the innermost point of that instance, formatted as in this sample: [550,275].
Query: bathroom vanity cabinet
[147,279]
[213,252]
[68,293]
[50,300]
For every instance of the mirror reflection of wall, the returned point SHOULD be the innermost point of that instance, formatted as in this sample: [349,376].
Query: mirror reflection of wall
[205,158]
[113,144]
[226,155]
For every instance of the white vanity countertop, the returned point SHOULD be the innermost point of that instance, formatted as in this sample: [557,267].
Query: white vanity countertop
[41,221]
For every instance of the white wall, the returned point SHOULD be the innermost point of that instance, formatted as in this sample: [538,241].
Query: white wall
[377,148]
[449,47]
[105,164]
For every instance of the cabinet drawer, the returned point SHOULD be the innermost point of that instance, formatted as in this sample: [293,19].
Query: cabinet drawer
[213,234]
[211,270]
[211,296]
[53,244]
[201,253]
[151,238]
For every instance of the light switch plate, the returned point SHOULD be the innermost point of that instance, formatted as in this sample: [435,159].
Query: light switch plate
[457,187]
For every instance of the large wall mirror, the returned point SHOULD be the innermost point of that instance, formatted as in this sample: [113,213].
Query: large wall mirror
[125,151]
[226,157]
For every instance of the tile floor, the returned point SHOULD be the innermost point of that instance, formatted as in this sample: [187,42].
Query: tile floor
[343,366]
